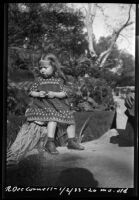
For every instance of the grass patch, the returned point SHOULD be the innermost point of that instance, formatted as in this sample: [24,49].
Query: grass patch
[99,123]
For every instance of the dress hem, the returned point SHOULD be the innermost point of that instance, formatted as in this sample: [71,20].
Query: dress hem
[50,119]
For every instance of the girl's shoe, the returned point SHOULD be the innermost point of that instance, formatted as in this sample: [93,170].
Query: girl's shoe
[51,148]
[73,144]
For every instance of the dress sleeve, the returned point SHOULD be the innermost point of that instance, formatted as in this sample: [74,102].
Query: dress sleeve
[66,89]
[34,86]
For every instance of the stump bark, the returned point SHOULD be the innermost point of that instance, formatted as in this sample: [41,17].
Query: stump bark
[30,136]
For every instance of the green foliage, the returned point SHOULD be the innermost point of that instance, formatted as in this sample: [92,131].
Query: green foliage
[48,29]
[103,44]
[91,93]
[57,29]
[54,28]
[127,76]
[128,67]
[17,101]
[100,122]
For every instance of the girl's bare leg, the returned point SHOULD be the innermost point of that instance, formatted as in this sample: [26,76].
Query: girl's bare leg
[50,145]
[71,131]
[51,128]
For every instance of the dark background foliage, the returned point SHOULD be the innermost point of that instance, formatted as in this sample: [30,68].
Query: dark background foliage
[55,28]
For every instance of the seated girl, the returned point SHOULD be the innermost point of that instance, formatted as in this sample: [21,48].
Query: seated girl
[49,103]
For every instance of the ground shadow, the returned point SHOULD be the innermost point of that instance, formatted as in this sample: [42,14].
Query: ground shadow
[25,173]
[76,177]
[35,170]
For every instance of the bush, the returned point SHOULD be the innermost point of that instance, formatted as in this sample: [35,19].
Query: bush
[17,101]
[90,93]
[99,123]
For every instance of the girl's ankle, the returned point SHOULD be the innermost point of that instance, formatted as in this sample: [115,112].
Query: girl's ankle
[50,139]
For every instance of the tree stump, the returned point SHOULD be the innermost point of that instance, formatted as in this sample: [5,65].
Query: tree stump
[29,137]
[33,136]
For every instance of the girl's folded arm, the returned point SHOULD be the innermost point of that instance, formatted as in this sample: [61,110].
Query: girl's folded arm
[60,94]
[34,93]
[33,90]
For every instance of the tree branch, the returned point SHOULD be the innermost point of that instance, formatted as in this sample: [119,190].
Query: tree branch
[127,23]
[124,37]
[84,9]
[100,9]
[104,55]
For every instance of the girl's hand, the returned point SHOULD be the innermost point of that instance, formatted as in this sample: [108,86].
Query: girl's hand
[42,94]
[51,94]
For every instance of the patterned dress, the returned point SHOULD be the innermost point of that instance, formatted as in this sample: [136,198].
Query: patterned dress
[47,109]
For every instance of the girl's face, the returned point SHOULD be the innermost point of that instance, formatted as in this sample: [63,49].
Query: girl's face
[46,68]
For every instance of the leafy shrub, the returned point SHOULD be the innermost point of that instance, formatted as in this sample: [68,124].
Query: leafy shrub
[90,93]
[17,101]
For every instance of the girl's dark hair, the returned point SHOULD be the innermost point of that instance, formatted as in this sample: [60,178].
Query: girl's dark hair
[55,64]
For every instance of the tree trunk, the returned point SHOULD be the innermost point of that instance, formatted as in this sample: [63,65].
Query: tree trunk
[104,55]
[89,25]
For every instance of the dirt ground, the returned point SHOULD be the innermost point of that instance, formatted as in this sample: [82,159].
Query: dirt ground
[101,164]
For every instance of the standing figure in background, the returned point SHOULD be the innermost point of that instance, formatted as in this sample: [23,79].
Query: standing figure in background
[130,104]
[125,136]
